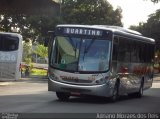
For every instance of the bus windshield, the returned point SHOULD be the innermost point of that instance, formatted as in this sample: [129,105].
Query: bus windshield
[80,54]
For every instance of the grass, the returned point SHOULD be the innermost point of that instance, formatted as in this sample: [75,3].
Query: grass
[39,72]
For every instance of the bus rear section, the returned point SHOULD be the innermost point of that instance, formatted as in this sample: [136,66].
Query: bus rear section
[10,56]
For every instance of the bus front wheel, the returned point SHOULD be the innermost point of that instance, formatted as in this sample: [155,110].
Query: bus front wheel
[115,93]
[62,96]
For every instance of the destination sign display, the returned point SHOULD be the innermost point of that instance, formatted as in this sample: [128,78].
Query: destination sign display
[83,31]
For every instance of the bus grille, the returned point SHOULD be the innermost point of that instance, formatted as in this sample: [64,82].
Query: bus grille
[77,81]
[7,70]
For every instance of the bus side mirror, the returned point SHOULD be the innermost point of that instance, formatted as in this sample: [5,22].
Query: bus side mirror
[51,33]
[46,42]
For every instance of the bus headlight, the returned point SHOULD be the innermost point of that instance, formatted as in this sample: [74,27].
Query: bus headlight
[53,77]
[104,80]
[100,81]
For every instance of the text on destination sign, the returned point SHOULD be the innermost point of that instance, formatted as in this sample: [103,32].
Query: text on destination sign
[81,31]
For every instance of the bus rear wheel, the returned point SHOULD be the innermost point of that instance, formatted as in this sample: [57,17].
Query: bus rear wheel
[139,94]
[62,96]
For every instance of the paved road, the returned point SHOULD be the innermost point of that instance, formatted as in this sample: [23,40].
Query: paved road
[33,97]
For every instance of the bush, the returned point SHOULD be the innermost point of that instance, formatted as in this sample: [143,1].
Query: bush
[40,72]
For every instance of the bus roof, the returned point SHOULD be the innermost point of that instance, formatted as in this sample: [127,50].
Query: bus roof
[9,33]
[12,34]
[116,30]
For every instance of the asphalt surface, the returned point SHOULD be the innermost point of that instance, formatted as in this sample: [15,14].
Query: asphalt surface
[32,96]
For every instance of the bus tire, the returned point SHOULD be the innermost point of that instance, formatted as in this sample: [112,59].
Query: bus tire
[139,94]
[115,93]
[62,96]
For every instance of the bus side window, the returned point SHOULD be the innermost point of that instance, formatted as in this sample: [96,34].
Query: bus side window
[115,48]
[124,50]
[150,52]
[135,51]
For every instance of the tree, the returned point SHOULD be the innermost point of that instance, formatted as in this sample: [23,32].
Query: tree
[151,29]
[27,52]
[42,51]
[90,12]
[32,18]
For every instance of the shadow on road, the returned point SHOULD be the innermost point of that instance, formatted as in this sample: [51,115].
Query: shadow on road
[43,101]
[97,100]
[151,94]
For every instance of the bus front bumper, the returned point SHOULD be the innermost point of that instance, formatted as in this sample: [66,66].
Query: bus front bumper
[104,90]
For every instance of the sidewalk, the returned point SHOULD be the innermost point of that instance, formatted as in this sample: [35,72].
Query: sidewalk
[34,78]
[156,77]
[5,82]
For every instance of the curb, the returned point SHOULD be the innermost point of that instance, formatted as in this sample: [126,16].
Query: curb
[6,83]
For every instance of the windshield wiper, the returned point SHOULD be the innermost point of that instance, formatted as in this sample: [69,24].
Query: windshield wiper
[89,46]
[74,46]
[86,49]
[75,50]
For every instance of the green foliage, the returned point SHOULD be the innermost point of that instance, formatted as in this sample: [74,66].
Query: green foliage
[151,28]
[41,50]
[39,72]
[27,52]
[90,12]
[35,71]
[30,26]
[34,20]
[30,18]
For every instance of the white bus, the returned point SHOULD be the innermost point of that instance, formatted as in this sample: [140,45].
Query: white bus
[10,56]
[99,60]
